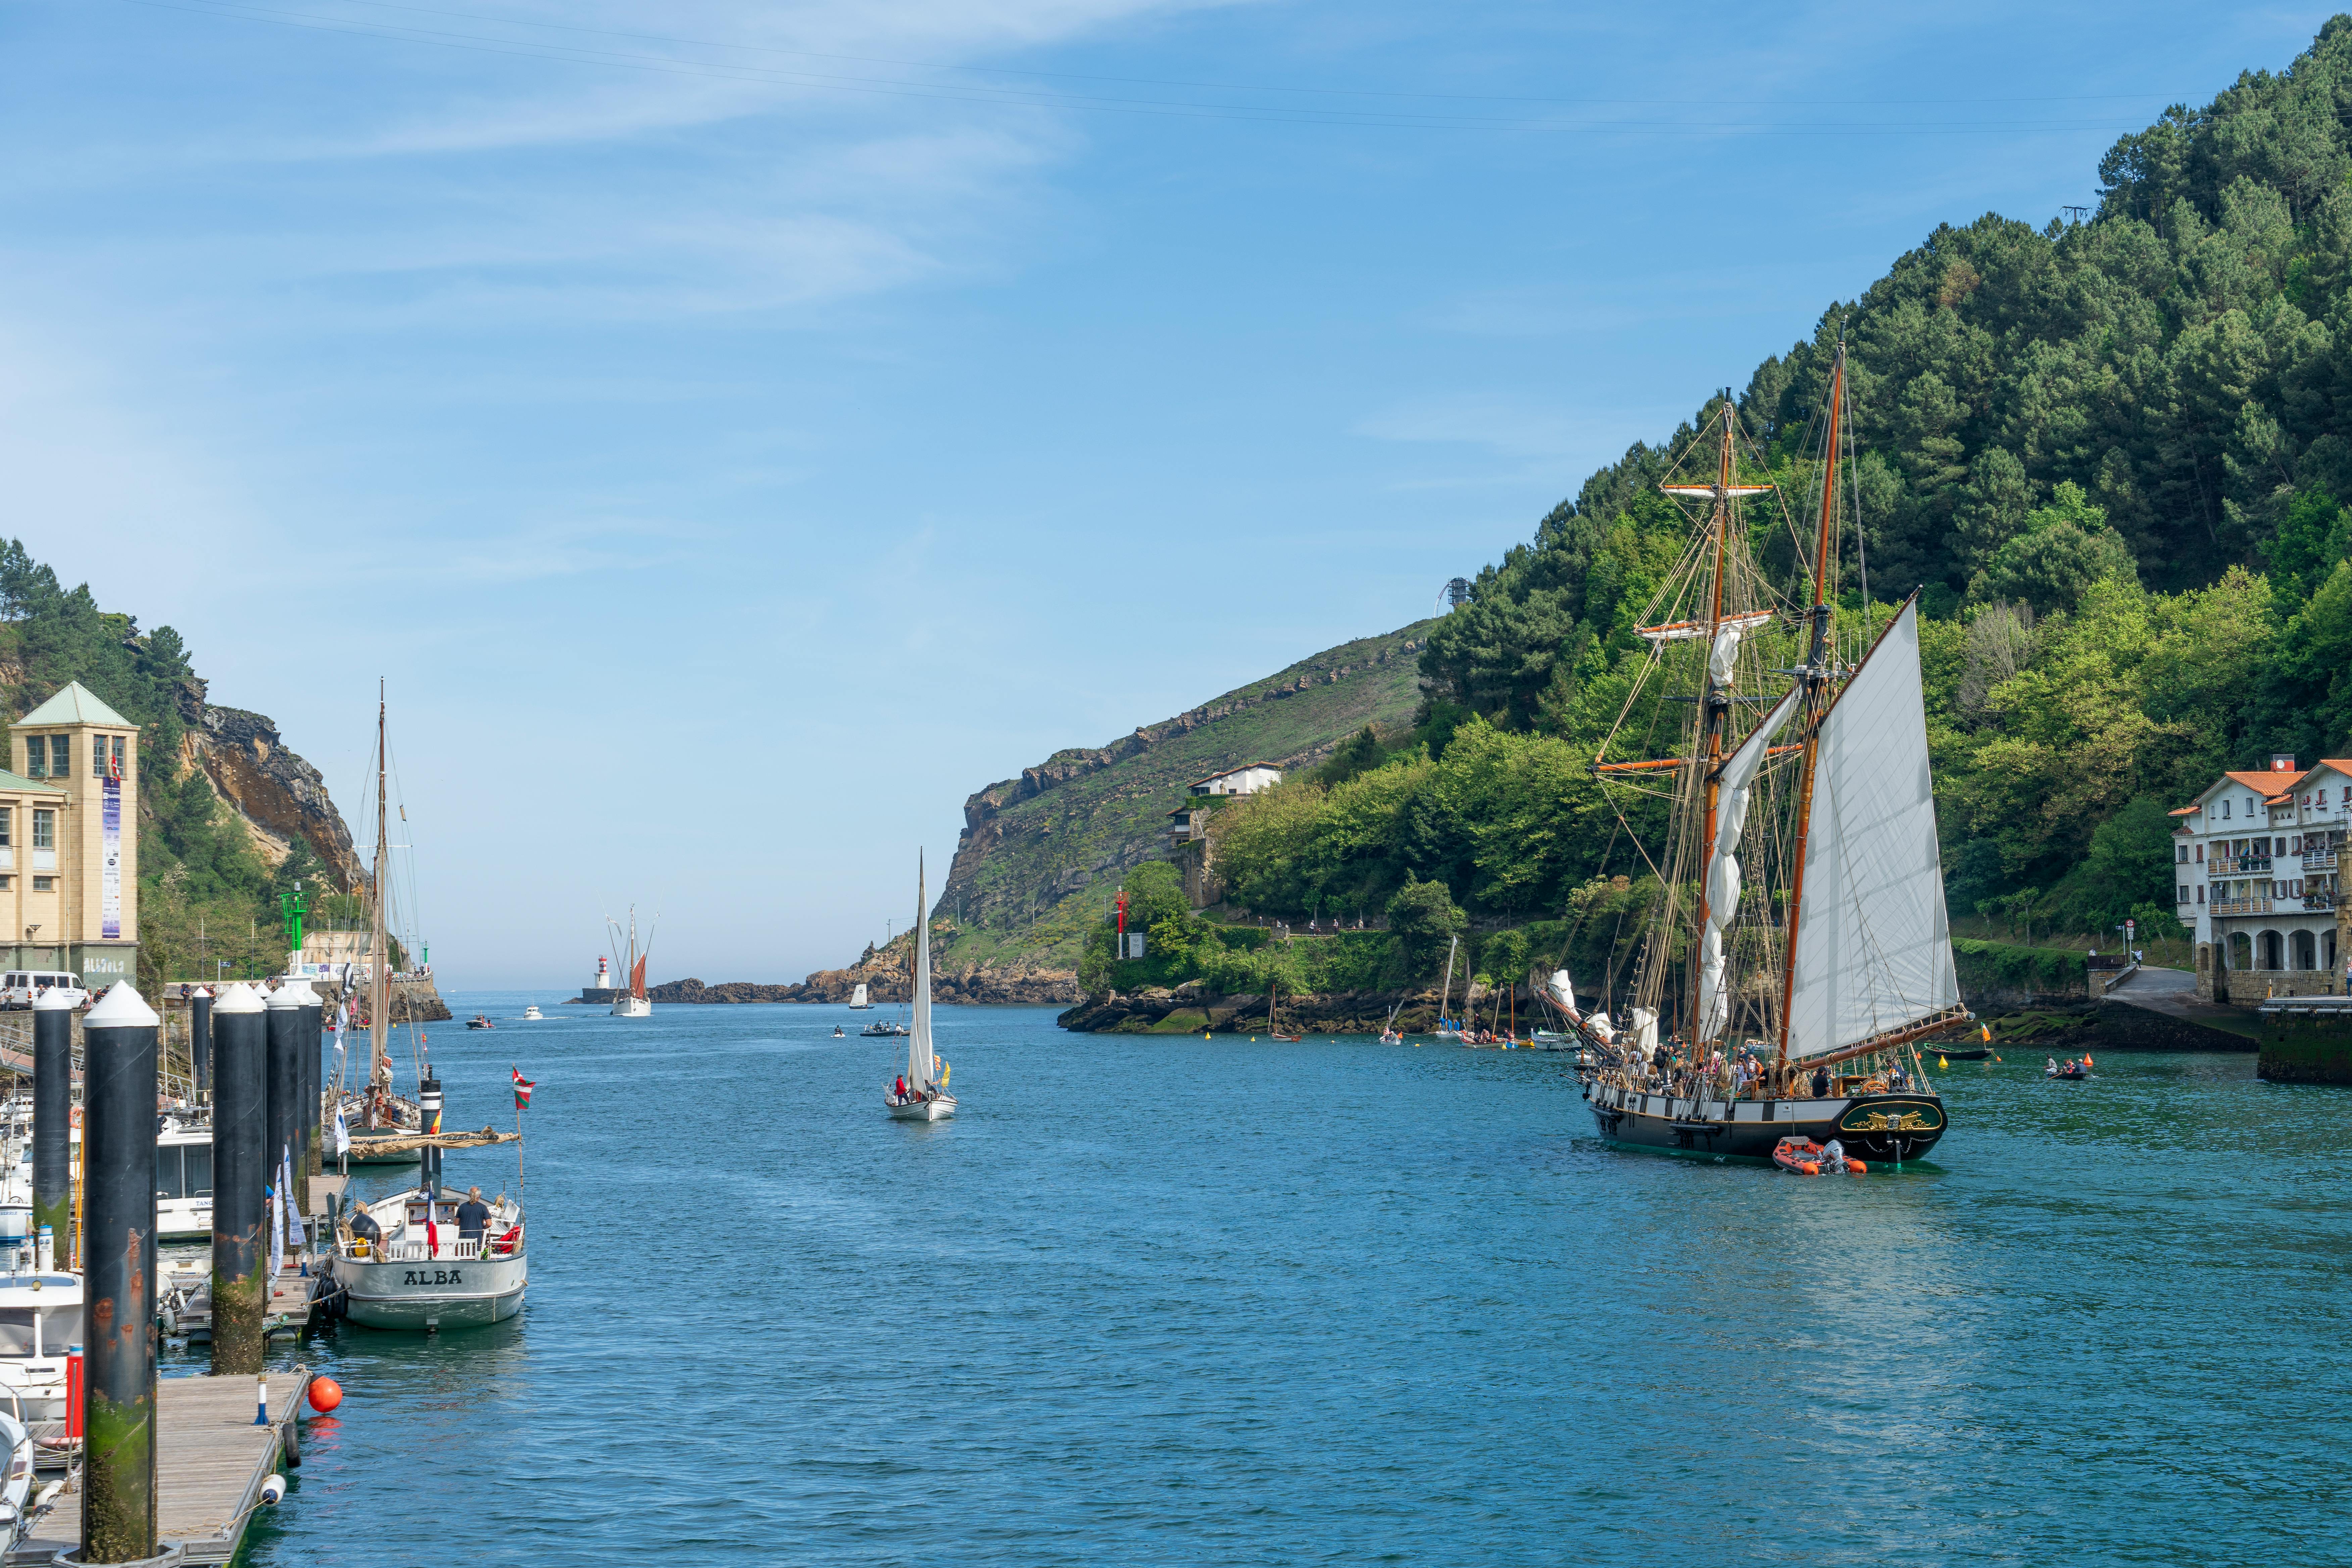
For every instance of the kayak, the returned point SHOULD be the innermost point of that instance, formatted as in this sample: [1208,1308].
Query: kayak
[1803,1157]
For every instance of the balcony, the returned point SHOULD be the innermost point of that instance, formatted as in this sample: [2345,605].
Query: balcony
[2319,900]
[2240,906]
[2239,866]
[2318,860]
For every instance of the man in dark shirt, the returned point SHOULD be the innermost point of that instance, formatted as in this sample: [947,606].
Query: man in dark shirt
[473,1215]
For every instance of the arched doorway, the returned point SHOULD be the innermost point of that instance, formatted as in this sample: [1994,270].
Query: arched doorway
[2306,950]
[2241,950]
[2267,946]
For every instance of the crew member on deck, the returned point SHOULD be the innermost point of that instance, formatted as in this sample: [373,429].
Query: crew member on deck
[473,1215]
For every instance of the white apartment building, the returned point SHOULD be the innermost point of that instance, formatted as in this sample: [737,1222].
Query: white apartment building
[2256,868]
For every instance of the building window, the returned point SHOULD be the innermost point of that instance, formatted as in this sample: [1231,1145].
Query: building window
[119,763]
[2184,892]
[2225,811]
[2201,854]
[45,884]
[45,829]
[7,825]
[61,756]
[2183,856]
[2201,895]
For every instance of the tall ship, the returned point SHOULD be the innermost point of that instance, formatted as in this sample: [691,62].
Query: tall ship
[1797,947]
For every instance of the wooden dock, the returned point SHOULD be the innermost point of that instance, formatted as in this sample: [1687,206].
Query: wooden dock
[210,1462]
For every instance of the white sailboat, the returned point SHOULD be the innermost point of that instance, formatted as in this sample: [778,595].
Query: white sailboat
[926,1097]
[857,1002]
[633,1002]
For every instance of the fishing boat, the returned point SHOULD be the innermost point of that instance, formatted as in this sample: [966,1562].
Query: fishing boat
[1792,1000]
[633,1002]
[480,1021]
[926,1097]
[857,1002]
[374,1125]
[40,1322]
[417,1271]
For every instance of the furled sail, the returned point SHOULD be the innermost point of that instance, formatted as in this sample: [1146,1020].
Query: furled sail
[919,1068]
[1873,950]
[1723,881]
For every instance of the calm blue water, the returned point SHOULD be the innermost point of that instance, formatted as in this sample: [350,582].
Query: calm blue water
[1170,1301]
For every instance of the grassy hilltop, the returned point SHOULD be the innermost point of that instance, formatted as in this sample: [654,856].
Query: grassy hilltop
[1042,854]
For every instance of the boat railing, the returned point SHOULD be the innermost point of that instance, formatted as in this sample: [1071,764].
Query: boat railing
[414,1250]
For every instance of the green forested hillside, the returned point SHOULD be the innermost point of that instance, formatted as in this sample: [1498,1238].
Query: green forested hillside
[1040,854]
[2113,456]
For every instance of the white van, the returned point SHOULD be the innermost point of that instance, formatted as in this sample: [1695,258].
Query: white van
[19,987]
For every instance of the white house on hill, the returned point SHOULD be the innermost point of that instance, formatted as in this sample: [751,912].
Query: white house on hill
[1247,779]
[2256,868]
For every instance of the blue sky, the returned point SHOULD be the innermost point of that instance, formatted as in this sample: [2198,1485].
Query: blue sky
[739,431]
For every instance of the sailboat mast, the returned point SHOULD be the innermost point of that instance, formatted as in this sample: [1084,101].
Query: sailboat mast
[1816,682]
[379,944]
[1717,706]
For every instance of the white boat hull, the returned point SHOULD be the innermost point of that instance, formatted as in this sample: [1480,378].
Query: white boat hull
[632,1007]
[440,1293]
[939,1108]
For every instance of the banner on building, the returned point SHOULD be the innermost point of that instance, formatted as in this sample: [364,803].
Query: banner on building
[110,887]
[111,866]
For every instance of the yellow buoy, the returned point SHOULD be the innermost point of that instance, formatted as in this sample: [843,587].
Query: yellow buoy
[1940,1062]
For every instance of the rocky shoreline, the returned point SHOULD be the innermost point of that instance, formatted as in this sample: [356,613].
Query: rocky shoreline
[1188,1008]
[975,987]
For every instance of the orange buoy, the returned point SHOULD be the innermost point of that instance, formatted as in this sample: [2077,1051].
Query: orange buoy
[1857,1167]
[325,1394]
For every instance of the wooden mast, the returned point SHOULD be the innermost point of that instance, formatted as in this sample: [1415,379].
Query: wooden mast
[378,946]
[1718,704]
[1816,679]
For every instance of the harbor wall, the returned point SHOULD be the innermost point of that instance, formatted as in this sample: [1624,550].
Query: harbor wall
[2306,1046]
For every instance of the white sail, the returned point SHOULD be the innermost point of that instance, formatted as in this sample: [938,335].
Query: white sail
[857,999]
[1874,949]
[1723,881]
[919,1068]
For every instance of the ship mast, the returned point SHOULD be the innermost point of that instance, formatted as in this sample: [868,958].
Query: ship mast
[379,945]
[1816,683]
[1717,700]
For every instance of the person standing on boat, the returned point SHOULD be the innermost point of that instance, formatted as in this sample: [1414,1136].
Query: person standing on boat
[898,1090]
[1821,1083]
[473,1215]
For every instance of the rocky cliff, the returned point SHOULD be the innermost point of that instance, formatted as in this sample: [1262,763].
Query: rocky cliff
[276,794]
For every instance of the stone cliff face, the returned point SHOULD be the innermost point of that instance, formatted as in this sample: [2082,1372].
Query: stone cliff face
[278,796]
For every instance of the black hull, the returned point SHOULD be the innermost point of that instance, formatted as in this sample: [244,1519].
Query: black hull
[1873,1127]
[1973,1054]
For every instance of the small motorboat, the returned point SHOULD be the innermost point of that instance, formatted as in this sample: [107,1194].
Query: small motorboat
[2068,1072]
[533,1013]
[882,1028]
[1803,1157]
[1286,1039]
[480,1021]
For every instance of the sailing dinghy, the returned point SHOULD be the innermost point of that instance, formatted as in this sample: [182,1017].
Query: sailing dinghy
[926,1097]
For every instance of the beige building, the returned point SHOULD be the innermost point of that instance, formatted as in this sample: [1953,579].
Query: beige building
[69,840]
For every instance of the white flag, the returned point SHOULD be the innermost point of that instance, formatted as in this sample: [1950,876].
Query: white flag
[343,1133]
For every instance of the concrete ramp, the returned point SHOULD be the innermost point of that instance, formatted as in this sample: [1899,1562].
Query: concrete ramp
[2159,1010]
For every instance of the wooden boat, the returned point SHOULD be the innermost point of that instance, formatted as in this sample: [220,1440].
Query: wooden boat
[633,1002]
[1804,1157]
[1846,950]
[375,1115]
[926,1097]
[1973,1054]
[2067,1072]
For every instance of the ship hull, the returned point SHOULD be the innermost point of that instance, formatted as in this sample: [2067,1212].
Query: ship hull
[1872,1127]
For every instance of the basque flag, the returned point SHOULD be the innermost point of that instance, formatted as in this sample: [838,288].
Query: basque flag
[523,1087]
